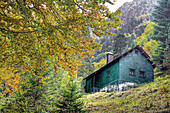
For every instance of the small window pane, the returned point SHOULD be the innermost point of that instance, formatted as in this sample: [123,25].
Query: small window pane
[108,73]
[141,73]
[132,72]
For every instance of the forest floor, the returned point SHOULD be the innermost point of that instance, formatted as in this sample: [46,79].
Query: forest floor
[150,97]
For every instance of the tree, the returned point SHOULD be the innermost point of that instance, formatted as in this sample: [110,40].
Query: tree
[162,19]
[149,45]
[9,82]
[146,35]
[99,64]
[146,41]
[119,45]
[28,99]
[69,96]
[35,93]
[87,68]
[31,31]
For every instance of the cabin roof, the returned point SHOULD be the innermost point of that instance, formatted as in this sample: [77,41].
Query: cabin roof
[117,59]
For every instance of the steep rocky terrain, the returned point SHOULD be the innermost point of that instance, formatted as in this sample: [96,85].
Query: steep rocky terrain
[136,8]
[136,15]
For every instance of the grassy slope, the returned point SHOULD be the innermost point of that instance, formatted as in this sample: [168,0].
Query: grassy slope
[151,97]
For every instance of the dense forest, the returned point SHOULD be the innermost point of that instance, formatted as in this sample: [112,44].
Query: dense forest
[48,47]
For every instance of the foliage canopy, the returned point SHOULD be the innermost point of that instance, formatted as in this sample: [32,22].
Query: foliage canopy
[32,31]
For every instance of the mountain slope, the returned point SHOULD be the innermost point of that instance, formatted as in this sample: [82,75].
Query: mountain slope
[136,8]
[136,15]
[151,97]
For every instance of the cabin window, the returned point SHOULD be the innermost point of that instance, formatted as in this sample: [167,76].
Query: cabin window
[108,73]
[132,72]
[136,51]
[141,73]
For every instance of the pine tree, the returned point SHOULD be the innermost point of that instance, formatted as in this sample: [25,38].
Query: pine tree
[161,15]
[69,97]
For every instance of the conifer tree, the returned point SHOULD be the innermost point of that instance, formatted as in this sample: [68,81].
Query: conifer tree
[69,96]
[161,15]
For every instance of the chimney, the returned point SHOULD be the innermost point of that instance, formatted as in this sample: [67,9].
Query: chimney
[109,57]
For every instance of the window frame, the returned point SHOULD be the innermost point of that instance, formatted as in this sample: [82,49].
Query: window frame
[108,73]
[132,72]
[143,74]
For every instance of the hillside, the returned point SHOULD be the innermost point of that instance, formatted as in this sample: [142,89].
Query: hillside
[136,8]
[134,13]
[136,16]
[151,97]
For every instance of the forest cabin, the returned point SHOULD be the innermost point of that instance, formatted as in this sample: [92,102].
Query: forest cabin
[128,70]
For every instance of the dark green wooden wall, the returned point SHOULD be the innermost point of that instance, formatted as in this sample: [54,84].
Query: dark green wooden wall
[88,87]
[137,62]
[102,79]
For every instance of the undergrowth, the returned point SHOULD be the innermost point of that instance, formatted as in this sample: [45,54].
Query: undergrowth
[151,97]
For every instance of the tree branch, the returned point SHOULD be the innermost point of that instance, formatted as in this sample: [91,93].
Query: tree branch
[2,29]
[80,7]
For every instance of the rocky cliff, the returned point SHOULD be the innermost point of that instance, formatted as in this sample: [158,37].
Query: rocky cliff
[136,8]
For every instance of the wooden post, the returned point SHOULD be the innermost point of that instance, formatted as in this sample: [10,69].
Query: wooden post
[118,85]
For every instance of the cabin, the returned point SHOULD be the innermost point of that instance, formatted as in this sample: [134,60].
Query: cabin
[128,70]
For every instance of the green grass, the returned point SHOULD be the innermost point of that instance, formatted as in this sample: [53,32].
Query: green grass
[151,97]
